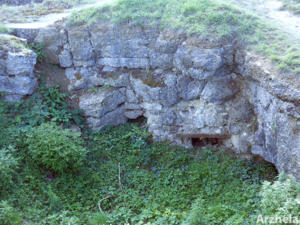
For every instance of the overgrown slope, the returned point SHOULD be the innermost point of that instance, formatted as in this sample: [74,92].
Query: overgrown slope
[52,175]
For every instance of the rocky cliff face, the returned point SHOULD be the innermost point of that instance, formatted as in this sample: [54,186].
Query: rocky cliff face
[191,91]
[16,69]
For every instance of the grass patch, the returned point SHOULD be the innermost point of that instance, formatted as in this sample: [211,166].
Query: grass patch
[11,43]
[3,29]
[205,18]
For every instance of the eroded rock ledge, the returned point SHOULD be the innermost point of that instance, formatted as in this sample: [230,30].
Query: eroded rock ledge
[189,90]
[16,68]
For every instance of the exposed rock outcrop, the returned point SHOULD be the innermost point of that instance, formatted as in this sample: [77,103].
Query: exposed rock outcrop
[16,69]
[188,89]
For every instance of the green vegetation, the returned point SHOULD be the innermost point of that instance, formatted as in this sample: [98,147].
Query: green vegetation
[54,148]
[52,175]
[3,29]
[8,165]
[292,5]
[38,48]
[204,18]
[11,43]
[287,193]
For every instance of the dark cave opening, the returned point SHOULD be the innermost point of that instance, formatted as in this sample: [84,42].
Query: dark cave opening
[140,119]
[260,160]
[206,141]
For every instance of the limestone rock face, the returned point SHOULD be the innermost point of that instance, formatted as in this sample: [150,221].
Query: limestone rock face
[104,107]
[53,39]
[186,88]
[16,73]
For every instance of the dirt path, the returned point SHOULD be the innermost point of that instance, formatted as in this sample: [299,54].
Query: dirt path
[270,11]
[47,20]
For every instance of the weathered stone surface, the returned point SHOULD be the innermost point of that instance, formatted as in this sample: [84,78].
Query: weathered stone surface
[120,81]
[102,108]
[168,41]
[161,60]
[53,40]
[16,73]
[198,63]
[132,48]
[81,47]
[185,89]
[65,59]
[20,63]
[20,85]
[28,34]
[113,118]
[188,88]
[80,77]
[130,63]
[169,96]
[131,96]
[133,114]
[220,91]
[120,41]
[278,133]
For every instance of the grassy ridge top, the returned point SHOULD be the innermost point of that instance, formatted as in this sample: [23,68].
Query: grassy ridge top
[196,16]
[206,18]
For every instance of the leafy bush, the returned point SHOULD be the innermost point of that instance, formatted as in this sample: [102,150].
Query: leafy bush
[8,215]
[4,123]
[48,104]
[280,198]
[96,218]
[55,148]
[8,166]
[64,218]
[229,198]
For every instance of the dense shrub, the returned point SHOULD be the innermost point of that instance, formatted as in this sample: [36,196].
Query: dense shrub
[4,122]
[8,166]
[8,215]
[281,198]
[48,104]
[55,148]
